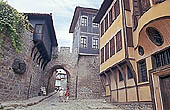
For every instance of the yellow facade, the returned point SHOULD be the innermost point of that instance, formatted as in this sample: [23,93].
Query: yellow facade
[142,57]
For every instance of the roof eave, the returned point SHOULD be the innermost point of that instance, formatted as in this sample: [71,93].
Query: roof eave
[103,8]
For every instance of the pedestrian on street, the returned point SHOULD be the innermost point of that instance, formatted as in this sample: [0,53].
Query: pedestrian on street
[67,95]
[61,93]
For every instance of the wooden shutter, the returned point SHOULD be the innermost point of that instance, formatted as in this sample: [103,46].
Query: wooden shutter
[102,28]
[129,36]
[106,51]
[113,14]
[112,47]
[110,17]
[118,41]
[102,55]
[117,9]
[157,1]
[106,23]
[136,13]
[127,5]
[145,5]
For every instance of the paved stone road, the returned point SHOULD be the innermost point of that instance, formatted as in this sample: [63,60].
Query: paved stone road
[52,103]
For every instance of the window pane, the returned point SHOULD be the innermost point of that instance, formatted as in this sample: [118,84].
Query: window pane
[84,21]
[83,42]
[38,28]
[102,55]
[120,76]
[130,75]
[142,71]
[95,43]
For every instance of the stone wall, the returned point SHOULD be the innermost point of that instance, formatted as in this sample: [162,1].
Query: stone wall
[18,86]
[89,83]
[85,68]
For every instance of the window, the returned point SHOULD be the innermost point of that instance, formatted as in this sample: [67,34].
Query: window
[106,51]
[120,76]
[155,36]
[129,36]
[127,5]
[144,6]
[140,50]
[113,14]
[118,41]
[142,71]
[112,47]
[84,42]
[95,25]
[95,43]
[102,55]
[84,20]
[102,28]
[117,9]
[106,23]
[162,58]
[38,28]
[130,75]
[157,1]
[110,17]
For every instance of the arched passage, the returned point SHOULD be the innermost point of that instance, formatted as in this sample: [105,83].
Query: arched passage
[50,78]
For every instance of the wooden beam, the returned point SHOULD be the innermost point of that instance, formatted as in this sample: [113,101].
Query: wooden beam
[134,76]
[115,78]
[109,81]
[124,78]
[101,78]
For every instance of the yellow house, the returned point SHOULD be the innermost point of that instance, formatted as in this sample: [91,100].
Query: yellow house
[135,51]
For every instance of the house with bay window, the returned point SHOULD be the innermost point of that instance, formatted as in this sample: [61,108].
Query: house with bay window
[135,51]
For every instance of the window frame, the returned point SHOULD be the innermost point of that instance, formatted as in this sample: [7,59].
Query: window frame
[112,46]
[106,22]
[41,29]
[84,23]
[93,45]
[107,51]
[102,29]
[102,56]
[120,78]
[86,43]
[139,71]
[94,25]
[129,75]
[119,41]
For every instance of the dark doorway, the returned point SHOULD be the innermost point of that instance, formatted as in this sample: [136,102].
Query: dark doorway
[165,91]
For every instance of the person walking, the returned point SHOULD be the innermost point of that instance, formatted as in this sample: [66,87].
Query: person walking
[61,93]
[67,95]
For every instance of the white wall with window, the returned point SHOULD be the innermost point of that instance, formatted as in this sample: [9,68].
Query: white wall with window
[95,43]
[84,20]
[83,42]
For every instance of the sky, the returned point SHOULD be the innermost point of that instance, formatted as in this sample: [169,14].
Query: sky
[62,13]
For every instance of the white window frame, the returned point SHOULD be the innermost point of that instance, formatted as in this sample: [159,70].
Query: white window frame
[83,23]
[95,25]
[94,43]
[82,43]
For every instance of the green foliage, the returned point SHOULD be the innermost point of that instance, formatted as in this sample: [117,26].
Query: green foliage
[12,24]
[1,107]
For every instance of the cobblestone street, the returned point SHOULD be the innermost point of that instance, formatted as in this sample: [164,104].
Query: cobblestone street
[53,103]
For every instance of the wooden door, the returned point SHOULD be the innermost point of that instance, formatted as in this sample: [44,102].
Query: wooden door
[165,91]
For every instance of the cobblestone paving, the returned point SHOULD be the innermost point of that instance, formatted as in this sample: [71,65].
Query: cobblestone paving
[52,103]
